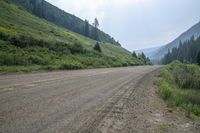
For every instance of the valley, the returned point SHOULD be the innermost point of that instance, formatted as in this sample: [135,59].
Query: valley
[60,72]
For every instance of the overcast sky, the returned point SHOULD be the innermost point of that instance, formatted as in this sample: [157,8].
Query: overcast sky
[137,24]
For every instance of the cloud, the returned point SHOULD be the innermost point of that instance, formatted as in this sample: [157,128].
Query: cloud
[122,3]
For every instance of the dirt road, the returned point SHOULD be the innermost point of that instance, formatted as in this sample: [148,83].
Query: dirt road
[97,100]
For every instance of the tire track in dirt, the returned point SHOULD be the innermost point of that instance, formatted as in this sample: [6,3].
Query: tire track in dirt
[112,108]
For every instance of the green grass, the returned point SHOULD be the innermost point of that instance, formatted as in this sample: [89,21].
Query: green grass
[6,69]
[28,43]
[163,127]
[180,87]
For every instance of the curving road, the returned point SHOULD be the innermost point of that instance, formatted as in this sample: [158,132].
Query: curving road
[96,100]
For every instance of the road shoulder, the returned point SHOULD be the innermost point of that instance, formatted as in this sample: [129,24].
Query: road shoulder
[167,119]
[139,108]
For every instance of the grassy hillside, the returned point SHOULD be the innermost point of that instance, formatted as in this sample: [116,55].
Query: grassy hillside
[180,86]
[49,12]
[29,43]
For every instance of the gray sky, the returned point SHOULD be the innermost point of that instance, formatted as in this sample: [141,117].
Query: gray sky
[137,24]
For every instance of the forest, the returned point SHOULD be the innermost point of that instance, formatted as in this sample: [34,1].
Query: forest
[187,52]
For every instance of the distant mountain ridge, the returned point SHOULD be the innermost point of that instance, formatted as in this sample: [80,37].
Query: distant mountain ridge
[188,51]
[148,51]
[156,54]
[51,13]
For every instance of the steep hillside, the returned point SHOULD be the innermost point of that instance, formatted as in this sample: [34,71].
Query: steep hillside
[29,43]
[49,12]
[156,54]
[189,51]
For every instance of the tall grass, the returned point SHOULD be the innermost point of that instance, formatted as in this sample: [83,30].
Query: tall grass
[180,86]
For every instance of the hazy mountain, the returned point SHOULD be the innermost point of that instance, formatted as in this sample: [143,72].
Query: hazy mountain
[193,31]
[155,54]
[188,51]
[148,51]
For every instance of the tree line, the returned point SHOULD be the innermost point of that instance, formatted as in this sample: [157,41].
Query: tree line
[49,12]
[188,51]
[92,33]
[142,56]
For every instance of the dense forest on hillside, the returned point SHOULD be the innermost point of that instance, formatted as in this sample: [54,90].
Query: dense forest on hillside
[188,51]
[157,53]
[49,12]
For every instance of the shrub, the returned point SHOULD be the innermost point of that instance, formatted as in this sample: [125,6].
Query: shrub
[35,59]
[13,59]
[71,66]
[77,48]
[97,47]
[165,91]
[180,86]
[185,75]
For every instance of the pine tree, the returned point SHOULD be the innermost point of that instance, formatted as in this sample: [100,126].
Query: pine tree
[198,58]
[86,28]
[134,54]
[96,25]
[143,56]
[97,47]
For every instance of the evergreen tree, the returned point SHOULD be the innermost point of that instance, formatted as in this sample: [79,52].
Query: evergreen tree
[198,58]
[146,59]
[86,28]
[143,56]
[96,25]
[97,47]
[134,54]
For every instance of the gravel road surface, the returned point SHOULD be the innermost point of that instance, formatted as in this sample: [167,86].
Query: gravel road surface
[96,100]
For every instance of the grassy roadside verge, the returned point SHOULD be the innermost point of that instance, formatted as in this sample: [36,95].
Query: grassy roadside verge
[179,86]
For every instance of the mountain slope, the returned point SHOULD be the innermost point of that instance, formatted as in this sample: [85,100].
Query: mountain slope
[186,52]
[148,51]
[30,43]
[156,54]
[49,12]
